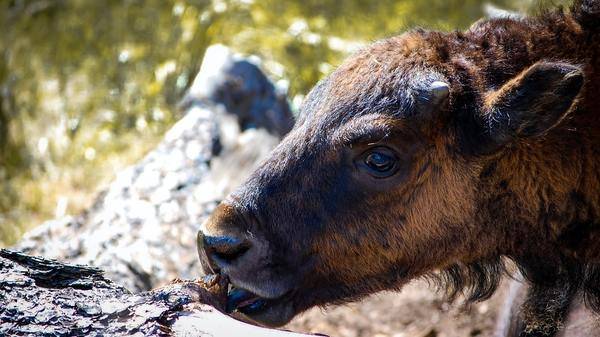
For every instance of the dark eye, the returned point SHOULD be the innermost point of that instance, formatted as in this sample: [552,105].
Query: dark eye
[380,162]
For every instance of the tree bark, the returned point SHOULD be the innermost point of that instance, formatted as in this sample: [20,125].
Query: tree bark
[41,297]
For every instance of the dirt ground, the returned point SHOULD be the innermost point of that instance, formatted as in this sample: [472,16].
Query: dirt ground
[416,311]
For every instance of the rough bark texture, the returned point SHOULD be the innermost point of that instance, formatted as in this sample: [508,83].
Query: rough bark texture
[41,297]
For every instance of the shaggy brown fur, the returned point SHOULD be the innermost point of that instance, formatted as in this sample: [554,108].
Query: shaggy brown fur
[504,165]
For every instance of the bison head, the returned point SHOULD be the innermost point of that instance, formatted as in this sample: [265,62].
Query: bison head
[380,180]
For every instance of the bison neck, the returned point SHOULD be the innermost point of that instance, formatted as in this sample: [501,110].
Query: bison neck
[543,195]
[541,207]
[542,199]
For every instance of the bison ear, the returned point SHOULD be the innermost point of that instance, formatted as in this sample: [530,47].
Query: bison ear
[530,104]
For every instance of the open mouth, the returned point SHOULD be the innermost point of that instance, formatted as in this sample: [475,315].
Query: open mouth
[269,312]
[245,302]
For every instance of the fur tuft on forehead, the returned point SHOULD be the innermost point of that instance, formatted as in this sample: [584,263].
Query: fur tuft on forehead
[376,80]
[402,94]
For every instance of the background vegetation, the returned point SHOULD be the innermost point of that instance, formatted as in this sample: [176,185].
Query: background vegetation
[87,87]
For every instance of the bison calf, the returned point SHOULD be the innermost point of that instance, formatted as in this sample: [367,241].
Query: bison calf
[431,152]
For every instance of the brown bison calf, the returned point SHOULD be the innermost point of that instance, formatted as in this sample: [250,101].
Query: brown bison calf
[431,152]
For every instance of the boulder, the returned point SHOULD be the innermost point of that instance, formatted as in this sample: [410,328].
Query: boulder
[243,89]
[142,228]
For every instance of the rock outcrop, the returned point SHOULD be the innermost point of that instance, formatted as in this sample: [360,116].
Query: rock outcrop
[142,229]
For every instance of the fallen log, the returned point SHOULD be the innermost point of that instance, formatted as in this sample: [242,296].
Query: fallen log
[42,297]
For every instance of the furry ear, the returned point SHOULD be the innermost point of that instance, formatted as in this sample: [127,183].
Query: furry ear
[530,104]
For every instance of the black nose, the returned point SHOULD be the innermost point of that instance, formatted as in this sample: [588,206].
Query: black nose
[217,252]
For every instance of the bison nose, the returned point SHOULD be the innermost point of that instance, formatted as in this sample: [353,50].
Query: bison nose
[218,252]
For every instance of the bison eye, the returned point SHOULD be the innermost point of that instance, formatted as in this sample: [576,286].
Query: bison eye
[380,162]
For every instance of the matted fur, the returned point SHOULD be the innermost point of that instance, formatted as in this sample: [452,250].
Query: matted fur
[478,281]
[475,282]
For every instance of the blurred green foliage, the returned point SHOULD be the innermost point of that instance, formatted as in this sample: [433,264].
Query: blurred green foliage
[87,87]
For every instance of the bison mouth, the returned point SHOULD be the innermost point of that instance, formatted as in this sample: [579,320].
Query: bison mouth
[272,312]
